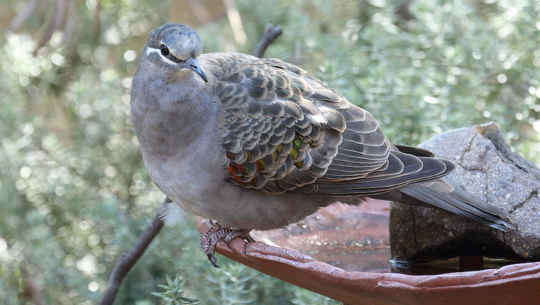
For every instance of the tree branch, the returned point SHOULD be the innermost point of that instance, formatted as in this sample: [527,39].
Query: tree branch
[23,15]
[403,11]
[236,22]
[31,289]
[271,33]
[55,21]
[129,259]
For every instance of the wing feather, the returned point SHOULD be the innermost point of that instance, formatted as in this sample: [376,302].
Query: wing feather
[285,131]
[415,169]
[277,125]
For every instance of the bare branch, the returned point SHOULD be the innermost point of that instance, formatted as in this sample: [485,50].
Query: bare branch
[31,289]
[23,15]
[129,259]
[403,11]
[71,24]
[271,33]
[235,20]
[55,21]
[97,21]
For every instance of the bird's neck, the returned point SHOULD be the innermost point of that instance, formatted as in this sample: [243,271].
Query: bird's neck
[171,114]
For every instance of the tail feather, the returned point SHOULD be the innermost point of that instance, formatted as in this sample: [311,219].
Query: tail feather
[455,201]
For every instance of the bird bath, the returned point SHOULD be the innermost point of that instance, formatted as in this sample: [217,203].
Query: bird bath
[353,238]
[344,252]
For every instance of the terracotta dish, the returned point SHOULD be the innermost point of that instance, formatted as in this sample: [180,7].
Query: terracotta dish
[343,252]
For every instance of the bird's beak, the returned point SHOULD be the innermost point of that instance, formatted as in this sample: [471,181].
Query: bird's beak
[195,65]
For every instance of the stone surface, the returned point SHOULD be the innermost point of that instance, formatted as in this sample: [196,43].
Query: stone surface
[488,168]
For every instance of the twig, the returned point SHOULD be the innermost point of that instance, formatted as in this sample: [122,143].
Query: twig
[55,21]
[23,15]
[129,259]
[235,21]
[71,24]
[97,21]
[270,34]
[403,11]
[31,289]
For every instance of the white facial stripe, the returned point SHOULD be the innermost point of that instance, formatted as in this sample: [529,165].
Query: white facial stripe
[165,59]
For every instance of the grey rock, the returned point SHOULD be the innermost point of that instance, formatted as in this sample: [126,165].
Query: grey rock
[486,167]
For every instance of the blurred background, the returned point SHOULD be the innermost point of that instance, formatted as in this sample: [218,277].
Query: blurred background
[74,193]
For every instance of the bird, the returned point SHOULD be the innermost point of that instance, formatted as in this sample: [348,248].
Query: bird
[259,143]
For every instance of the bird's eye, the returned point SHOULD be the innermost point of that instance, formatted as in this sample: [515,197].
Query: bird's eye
[164,50]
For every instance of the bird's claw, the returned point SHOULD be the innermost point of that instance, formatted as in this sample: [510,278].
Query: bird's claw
[212,259]
[216,233]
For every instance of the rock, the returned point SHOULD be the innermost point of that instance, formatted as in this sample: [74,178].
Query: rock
[488,168]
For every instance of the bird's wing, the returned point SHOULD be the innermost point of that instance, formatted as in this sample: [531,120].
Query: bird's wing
[284,130]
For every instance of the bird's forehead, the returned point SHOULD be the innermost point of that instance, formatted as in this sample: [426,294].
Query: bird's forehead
[182,42]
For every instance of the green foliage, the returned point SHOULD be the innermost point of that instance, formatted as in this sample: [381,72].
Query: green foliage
[306,297]
[234,285]
[173,294]
[456,64]
[74,193]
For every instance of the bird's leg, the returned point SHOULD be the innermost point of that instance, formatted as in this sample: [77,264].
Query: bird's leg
[216,233]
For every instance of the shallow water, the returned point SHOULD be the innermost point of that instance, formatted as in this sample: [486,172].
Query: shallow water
[455,264]
[356,238]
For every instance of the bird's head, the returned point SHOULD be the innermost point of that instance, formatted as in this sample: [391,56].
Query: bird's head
[173,48]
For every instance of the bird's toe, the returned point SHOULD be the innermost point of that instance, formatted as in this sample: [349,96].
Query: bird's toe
[216,233]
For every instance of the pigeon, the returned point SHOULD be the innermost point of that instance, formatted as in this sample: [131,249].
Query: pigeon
[259,143]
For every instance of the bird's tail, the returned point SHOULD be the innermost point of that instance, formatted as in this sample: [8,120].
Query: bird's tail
[443,196]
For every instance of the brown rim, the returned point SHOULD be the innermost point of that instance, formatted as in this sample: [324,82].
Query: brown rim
[513,284]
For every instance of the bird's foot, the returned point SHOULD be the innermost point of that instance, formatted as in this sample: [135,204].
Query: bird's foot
[216,233]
